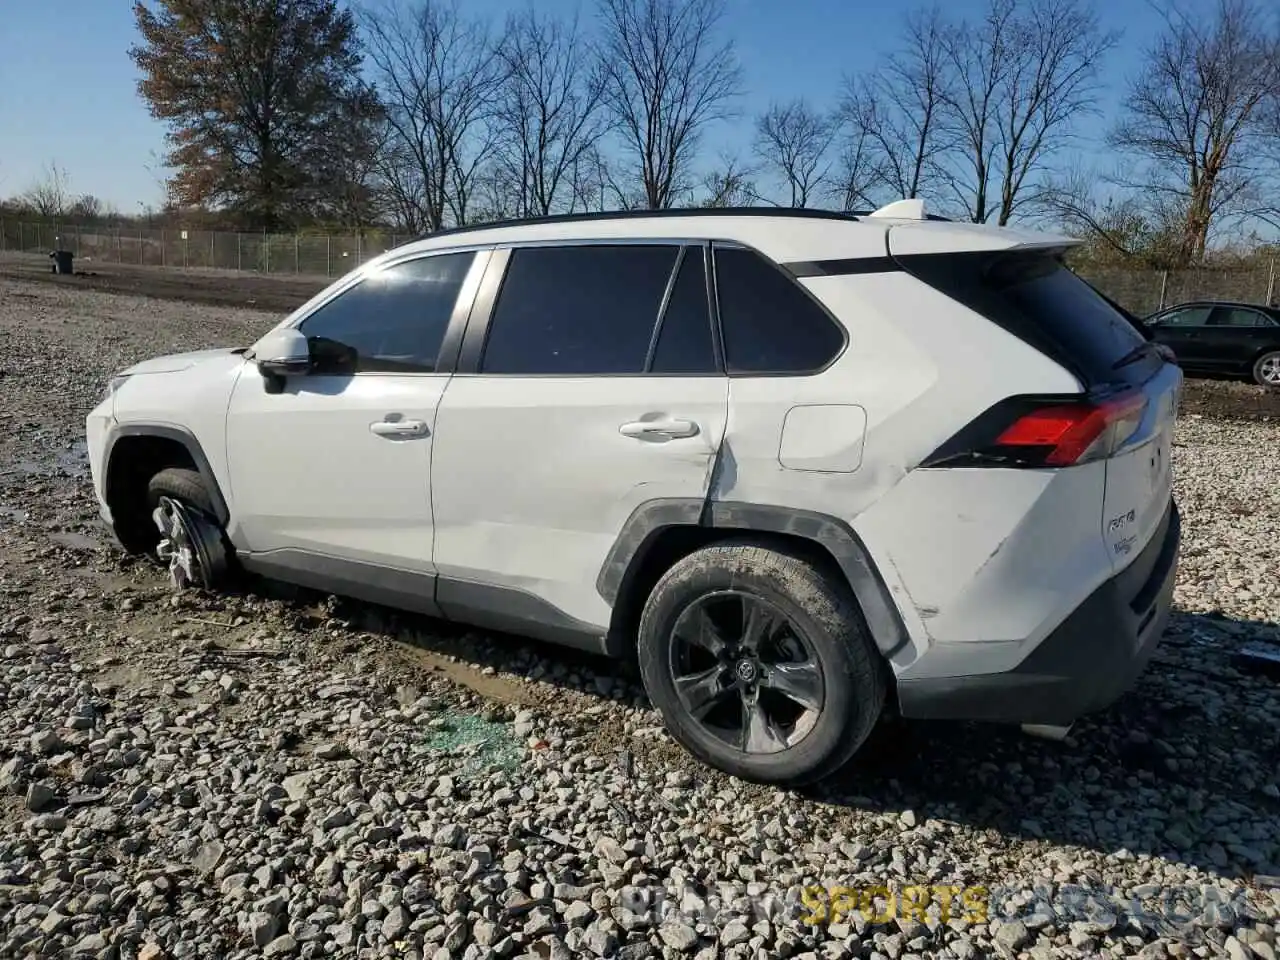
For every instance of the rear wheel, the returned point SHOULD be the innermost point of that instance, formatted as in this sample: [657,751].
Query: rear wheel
[192,544]
[760,664]
[1266,369]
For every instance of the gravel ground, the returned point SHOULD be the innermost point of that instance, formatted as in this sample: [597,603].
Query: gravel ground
[282,774]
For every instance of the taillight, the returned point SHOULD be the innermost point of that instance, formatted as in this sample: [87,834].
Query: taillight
[1030,432]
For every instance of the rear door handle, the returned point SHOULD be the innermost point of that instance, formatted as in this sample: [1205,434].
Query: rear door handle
[399,428]
[667,427]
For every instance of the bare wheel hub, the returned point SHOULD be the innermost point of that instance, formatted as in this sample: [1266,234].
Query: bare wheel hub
[190,545]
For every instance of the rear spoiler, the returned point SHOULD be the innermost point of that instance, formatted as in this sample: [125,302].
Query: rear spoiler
[915,238]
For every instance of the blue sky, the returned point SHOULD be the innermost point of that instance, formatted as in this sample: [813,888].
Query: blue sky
[68,88]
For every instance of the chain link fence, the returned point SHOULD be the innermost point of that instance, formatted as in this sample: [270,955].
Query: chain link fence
[1143,292]
[322,255]
[331,255]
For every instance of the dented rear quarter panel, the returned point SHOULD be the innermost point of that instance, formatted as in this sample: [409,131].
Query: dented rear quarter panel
[919,368]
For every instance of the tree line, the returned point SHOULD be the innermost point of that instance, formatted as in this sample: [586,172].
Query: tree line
[416,115]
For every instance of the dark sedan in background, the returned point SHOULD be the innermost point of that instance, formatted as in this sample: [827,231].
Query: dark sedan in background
[1240,339]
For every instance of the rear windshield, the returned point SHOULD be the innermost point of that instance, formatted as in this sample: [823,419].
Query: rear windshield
[1037,299]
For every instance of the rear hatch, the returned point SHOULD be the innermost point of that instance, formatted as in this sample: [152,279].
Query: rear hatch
[1125,411]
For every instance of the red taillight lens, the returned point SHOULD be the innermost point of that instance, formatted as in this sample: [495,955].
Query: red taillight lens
[1076,432]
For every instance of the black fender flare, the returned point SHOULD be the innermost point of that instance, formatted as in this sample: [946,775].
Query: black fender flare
[834,535]
[180,435]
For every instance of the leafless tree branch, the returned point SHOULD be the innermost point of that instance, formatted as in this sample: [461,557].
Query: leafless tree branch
[729,184]
[1023,76]
[794,140]
[50,196]
[893,116]
[439,75]
[1198,117]
[666,79]
[549,109]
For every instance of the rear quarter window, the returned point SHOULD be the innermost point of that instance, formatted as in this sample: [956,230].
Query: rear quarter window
[770,325]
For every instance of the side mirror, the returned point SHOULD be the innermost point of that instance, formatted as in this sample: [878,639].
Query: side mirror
[283,353]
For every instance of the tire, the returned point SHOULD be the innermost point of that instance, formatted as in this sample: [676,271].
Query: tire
[1266,369]
[823,623]
[180,493]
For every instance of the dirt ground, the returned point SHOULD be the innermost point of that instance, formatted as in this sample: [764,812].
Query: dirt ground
[215,287]
[1219,399]
[1229,400]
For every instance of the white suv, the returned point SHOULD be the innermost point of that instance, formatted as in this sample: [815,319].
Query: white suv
[809,467]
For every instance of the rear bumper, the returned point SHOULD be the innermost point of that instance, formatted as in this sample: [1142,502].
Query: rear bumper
[1085,665]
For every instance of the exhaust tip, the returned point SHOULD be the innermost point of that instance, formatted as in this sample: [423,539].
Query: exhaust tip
[1047,731]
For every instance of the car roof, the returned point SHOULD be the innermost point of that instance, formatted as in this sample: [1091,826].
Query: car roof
[783,234]
[1221,303]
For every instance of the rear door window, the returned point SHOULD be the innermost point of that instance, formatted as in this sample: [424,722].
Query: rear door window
[1036,298]
[684,344]
[578,310]
[1239,317]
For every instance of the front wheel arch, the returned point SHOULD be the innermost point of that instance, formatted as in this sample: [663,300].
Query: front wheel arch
[135,452]
[191,542]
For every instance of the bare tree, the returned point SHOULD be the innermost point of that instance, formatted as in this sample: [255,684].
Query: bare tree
[857,172]
[402,186]
[979,57]
[587,181]
[50,196]
[1051,85]
[1023,76]
[549,108]
[1122,228]
[794,141]
[1199,115]
[354,150]
[597,184]
[730,184]
[497,195]
[894,115]
[439,76]
[86,207]
[666,79]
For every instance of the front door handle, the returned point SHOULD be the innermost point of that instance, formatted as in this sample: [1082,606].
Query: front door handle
[399,428]
[665,428]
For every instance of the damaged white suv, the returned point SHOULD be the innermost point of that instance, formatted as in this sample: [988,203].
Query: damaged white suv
[809,467]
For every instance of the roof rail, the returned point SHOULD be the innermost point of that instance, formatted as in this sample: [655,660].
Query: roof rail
[811,213]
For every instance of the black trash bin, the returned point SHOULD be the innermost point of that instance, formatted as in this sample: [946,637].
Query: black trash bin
[62,261]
